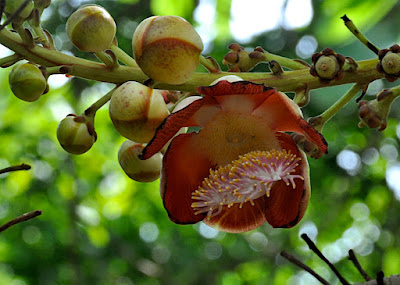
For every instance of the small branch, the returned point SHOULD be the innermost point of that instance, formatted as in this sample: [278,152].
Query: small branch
[300,264]
[357,33]
[357,264]
[22,166]
[210,64]
[332,110]
[123,56]
[91,111]
[314,248]
[22,218]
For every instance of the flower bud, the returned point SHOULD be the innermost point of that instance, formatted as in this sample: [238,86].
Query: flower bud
[327,65]
[167,48]
[27,81]
[91,28]
[137,110]
[139,170]
[374,113]
[75,134]
[12,6]
[389,62]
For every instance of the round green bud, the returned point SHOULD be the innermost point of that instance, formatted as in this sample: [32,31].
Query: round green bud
[75,134]
[27,81]
[167,48]
[91,28]
[139,170]
[391,63]
[137,110]
[327,66]
[12,6]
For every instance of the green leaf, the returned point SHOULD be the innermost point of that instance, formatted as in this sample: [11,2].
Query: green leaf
[364,14]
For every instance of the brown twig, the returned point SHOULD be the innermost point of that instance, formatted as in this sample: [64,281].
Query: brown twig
[314,248]
[22,218]
[379,278]
[357,264]
[300,264]
[22,166]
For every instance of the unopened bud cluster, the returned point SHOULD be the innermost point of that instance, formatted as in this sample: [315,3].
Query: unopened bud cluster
[374,113]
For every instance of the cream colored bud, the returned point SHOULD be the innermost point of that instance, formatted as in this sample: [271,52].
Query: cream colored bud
[74,134]
[91,28]
[27,81]
[137,110]
[13,5]
[139,170]
[167,48]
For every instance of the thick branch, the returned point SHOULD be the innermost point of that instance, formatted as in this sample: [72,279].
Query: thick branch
[288,81]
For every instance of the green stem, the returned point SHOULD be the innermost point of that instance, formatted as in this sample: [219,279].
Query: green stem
[359,35]
[332,110]
[104,58]
[123,56]
[41,37]
[284,61]
[9,60]
[210,64]
[91,111]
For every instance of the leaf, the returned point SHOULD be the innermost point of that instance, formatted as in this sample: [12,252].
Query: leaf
[364,14]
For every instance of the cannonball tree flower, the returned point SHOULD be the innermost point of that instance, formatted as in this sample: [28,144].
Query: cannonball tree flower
[242,168]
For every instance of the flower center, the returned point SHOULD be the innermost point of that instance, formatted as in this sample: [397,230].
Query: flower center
[244,180]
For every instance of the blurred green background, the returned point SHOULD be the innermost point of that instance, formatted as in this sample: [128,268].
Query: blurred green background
[100,227]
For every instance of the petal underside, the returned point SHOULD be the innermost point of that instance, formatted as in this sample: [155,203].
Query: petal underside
[183,171]
[185,117]
[285,116]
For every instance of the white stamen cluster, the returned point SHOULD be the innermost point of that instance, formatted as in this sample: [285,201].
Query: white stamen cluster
[244,180]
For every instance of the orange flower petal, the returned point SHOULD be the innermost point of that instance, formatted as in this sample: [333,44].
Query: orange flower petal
[238,220]
[284,115]
[190,116]
[286,206]
[183,171]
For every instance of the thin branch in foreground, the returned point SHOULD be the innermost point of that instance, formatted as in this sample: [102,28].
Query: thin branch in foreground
[22,218]
[357,264]
[300,264]
[15,14]
[22,166]
[314,248]
[379,278]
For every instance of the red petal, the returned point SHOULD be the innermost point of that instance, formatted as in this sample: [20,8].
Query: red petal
[238,220]
[284,115]
[225,87]
[183,171]
[286,206]
[239,96]
[172,124]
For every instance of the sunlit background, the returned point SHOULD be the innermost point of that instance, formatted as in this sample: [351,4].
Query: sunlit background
[99,227]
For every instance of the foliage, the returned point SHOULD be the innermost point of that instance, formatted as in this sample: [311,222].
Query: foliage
[100,227]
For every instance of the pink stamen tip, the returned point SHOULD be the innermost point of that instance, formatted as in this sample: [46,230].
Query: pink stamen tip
[245,179]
